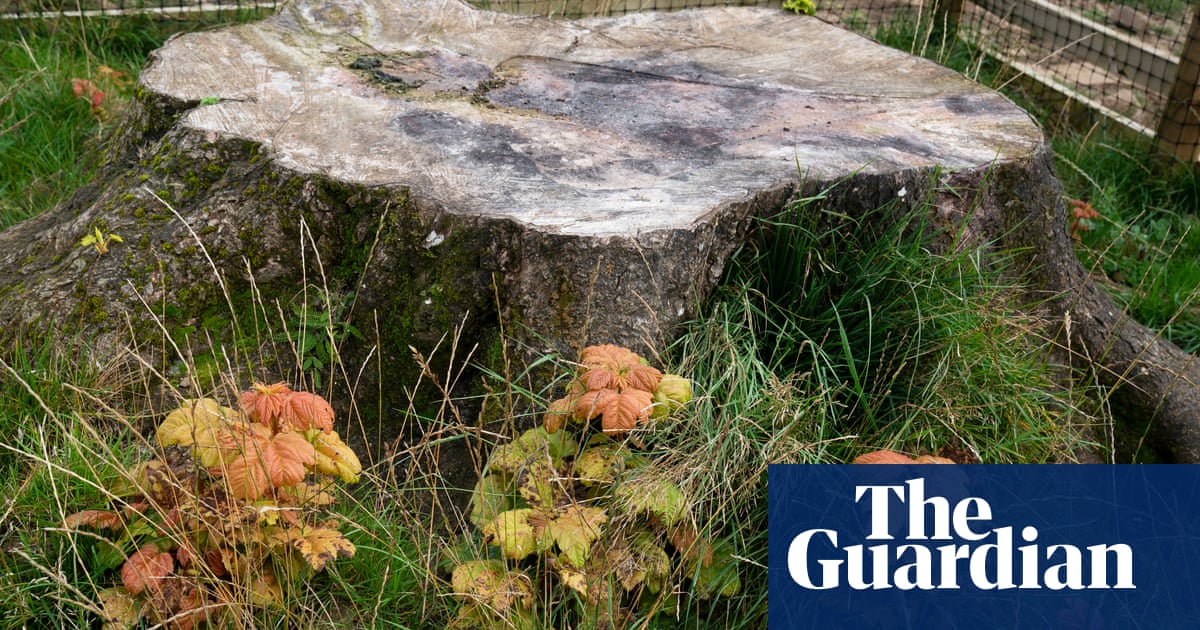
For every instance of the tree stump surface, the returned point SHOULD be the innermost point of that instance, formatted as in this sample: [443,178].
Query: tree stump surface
[438,167]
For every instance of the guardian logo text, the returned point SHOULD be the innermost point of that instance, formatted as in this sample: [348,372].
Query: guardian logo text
[918,542]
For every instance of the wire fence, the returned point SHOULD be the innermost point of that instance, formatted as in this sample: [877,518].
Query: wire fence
[47,9]
[1135,62]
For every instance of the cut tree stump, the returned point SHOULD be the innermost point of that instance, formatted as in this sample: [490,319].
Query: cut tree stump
[440,167]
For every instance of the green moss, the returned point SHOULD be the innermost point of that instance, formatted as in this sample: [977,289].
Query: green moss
[91,310]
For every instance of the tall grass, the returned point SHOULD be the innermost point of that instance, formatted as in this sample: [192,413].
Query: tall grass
[1144,244]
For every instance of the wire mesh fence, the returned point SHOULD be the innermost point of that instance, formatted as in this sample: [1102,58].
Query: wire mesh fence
[46,9]
[1136,62]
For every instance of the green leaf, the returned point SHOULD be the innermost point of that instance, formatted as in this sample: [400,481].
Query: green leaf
[650,563]
[574,529]
[720,577]
[492,496]
[535,443]
[652,495]
[490,583]
[512,532]
[541,485]
[600,465]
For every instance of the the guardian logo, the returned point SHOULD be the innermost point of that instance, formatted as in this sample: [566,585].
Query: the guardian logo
[949,547]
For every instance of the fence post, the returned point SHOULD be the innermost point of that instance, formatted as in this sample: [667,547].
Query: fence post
[946,13]
[1179,130]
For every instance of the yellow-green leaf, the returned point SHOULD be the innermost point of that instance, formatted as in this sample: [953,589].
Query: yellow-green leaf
[512,532]
[540,484]
[600,465]
[573,530]
[653,495]
[491,497]
[672,394]
[121,610]
[317,545]
[490,583]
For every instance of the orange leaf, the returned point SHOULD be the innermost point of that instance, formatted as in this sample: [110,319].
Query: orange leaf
[883,457]
[146,569]
[265,462]
[286,458]
[621,411]
[265,403]
[613,367]
[100,519]
[304,410]
[318,545]
[933,459]
[557,414]
[245,477]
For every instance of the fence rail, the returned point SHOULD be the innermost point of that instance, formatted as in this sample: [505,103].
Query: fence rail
[1136,62]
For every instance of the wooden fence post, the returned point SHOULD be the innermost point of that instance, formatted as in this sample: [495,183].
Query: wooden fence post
[1179,129]
[947,13]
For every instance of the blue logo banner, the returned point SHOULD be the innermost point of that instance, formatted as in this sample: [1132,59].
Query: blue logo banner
[984,547]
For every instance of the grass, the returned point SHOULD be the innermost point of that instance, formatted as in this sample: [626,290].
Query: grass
[44,126]
[824,341]
[1144,244]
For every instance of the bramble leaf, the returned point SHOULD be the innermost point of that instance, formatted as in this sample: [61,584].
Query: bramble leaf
[305,410]
[99,519]
[287,457]
[557,414]
[265,403]
[182,425]
[120,608]
[613,367]
[574,529]
[317,545]
[639,561]
[600,464]
[540,485]
[652,495]
[146,569]
[512,532]
[672,394]
[265,589]
[620,411]
[305,493]
[720,576]
[573,578]
[267,461]
[490,583]
[491,497]
[536,443]
[333,457]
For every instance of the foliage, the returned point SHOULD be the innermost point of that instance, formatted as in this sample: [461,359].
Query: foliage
[227,512]
[99,240]
[805,7]
[1138,229]
[317,331]
[588,511]
[63,81]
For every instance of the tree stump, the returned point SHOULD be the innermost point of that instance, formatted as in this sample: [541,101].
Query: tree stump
[441,167]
